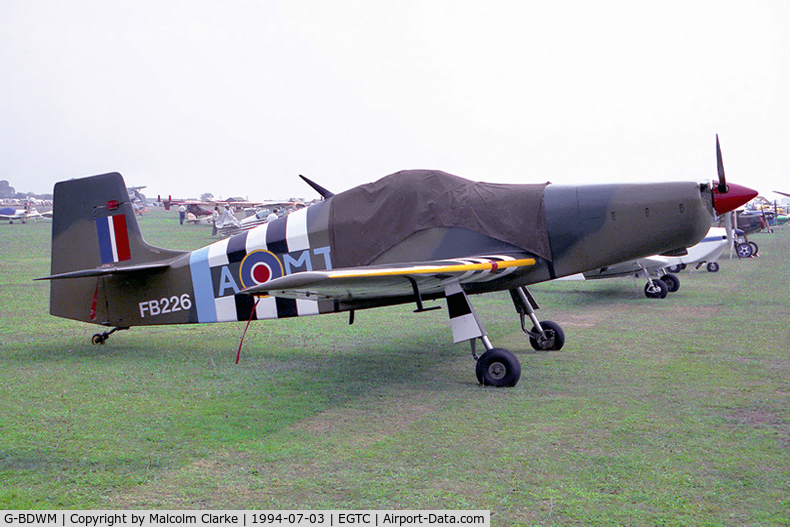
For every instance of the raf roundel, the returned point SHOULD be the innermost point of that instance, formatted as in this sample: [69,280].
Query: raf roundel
[258,267]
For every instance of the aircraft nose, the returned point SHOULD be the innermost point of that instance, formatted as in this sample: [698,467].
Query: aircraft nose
[735,196]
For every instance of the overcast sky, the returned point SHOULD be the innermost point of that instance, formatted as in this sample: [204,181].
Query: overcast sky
[237,98]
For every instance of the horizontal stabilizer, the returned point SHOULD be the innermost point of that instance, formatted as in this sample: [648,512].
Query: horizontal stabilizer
[105,271]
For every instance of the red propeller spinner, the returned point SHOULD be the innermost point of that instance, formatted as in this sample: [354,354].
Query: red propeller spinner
[727,197]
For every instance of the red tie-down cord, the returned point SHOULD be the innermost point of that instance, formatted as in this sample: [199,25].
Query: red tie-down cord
[238,353]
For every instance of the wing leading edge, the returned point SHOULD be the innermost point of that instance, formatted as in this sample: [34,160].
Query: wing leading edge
[388,281]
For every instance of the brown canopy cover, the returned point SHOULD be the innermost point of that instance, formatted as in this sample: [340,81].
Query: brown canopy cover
[367,220]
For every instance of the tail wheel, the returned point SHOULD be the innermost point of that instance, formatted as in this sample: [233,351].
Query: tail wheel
[656,289]
[98,338]
[498,367]
[713,267]
[553,340]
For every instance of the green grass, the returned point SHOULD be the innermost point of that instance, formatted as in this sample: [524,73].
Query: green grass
[656,412]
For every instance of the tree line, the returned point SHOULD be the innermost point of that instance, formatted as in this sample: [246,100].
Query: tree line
[9,192]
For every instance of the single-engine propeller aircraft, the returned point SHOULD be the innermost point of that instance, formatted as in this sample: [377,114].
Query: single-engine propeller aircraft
[197,211]
[22,215]
[410,237]
[660,270]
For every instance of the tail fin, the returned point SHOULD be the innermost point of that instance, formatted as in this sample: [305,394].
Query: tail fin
[94,233]
[94,225]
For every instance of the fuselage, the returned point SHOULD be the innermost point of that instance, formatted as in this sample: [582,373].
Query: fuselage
[580,228]
[602,225]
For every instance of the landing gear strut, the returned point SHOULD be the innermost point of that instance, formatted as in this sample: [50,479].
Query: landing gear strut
[660,287]
[544,335]
[656,288]
[498,366]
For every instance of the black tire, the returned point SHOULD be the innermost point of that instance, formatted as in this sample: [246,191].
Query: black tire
[676,268]
[744,250]
[498,367]
[555,337]
[656,289]
[672,281]
[755,249]
[98,339]
[712,267]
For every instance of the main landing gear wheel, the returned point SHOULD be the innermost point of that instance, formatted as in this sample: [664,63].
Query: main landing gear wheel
[744,250]
[656,289]
[672,281]
[553,337]
[498,367]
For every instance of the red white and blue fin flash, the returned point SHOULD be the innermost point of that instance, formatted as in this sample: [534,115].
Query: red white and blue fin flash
[113,239]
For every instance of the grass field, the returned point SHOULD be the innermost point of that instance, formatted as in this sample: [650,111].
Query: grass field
[655,412]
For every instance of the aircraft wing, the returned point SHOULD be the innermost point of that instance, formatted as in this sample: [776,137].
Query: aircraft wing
[386,281]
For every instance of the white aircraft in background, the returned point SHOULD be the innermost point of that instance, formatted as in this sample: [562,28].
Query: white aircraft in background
[28,213]
[663,267]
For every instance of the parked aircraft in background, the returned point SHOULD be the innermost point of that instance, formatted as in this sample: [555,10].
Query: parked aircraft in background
[261,214]
[707,252]
[660,270]
[138,199]
[411,237]
[226,220]
[11,214]
[198,209]
[751,221]
[206,207]
[742,223]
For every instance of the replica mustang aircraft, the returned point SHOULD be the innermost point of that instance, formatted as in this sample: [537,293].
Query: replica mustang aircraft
[410,237]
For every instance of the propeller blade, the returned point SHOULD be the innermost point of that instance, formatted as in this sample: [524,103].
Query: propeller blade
[728,197]
[720,166]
